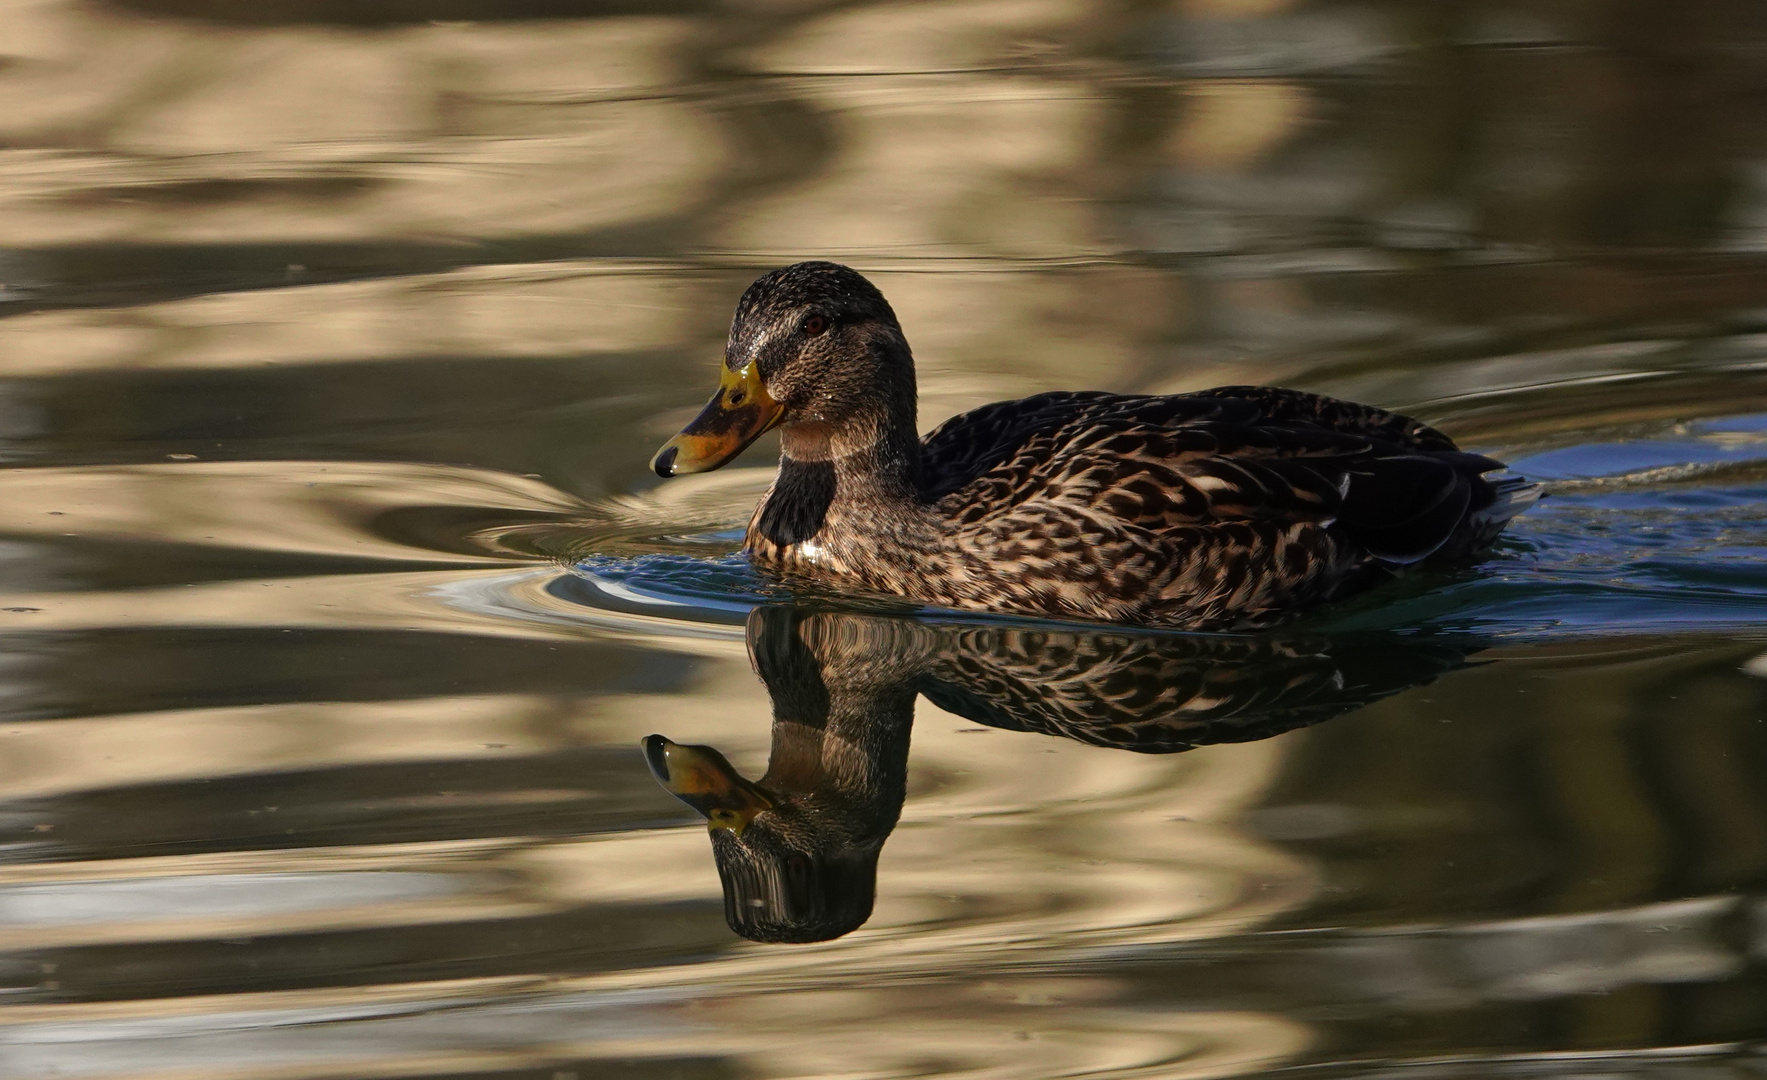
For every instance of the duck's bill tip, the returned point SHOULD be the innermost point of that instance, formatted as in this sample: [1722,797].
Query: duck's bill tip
[656,757]
[693,452]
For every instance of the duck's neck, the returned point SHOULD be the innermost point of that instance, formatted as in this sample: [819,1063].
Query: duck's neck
[843,691]
[862,472]
[878,461]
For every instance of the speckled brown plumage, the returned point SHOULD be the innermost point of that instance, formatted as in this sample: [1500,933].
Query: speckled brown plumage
[1233,507]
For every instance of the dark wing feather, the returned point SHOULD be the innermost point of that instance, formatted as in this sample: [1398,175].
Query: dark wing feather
[1280,405]
[971,443]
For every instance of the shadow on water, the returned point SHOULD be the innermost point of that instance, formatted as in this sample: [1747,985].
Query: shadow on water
[797,849]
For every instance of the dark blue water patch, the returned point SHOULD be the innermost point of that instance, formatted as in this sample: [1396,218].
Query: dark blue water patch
[1612,459]
[719,589]
[1598,564]
[1720,441]
[1659,534]
[1755,423]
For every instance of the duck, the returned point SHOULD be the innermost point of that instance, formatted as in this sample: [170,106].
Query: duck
[1232,508]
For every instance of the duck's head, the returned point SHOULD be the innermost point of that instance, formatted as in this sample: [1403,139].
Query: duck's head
[815,348]
[795,866]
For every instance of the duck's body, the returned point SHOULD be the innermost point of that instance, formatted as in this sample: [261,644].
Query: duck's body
[1239,506]
[1232,507]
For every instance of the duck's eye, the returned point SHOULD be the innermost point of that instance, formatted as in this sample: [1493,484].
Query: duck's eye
[813,325]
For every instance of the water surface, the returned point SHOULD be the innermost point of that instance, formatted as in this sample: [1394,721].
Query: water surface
[335,598]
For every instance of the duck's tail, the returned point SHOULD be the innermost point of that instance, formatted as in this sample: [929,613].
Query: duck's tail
[1510,495]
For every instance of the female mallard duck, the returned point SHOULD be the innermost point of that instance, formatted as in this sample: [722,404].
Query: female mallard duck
[1233,507]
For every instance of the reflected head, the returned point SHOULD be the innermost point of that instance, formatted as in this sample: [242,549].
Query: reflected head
[776,892]
[794,868]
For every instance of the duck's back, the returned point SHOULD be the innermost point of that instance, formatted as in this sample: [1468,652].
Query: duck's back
[1232,506]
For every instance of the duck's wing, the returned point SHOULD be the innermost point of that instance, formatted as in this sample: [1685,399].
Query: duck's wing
[1280,405]
[969,444]
[1396,489]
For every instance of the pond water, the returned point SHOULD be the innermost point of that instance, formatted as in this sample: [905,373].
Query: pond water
[336,599]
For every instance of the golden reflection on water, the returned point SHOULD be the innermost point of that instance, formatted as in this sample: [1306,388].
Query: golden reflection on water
[970,880]
[315,312]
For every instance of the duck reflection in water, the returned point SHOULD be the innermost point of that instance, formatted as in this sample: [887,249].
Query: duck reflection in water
[797,849]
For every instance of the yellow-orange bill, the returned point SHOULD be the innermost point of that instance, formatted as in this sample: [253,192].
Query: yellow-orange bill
[738,414]
[700,777]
